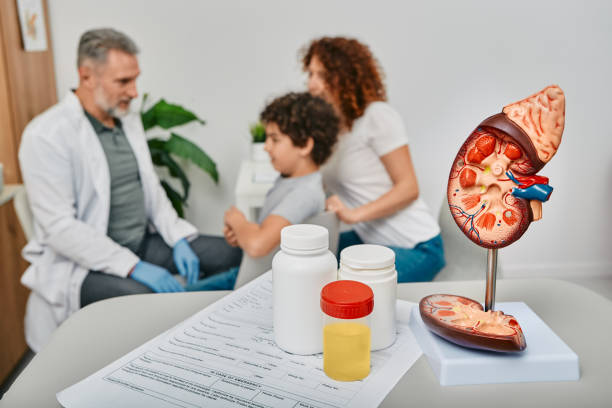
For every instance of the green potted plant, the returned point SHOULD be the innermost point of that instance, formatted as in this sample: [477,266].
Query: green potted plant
[258,140]
[165,150]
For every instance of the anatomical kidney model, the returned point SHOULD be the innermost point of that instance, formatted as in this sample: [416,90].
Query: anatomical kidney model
[493,191]
[494,194]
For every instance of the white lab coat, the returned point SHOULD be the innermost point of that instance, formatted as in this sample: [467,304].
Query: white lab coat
[67,180]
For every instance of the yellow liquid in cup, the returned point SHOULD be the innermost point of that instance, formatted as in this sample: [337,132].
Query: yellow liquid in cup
[346,351]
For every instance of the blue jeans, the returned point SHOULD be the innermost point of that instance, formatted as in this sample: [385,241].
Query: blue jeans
[419,264]
[221,281]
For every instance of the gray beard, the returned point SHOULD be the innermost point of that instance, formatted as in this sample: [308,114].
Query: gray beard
[112,111]
[118,113]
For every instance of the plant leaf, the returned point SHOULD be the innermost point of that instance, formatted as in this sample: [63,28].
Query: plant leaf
[175,198]
[176,172]
[156,143]
[182,147]
[167,115]
[148,118]
[161,157]
[144,102]
[258,132]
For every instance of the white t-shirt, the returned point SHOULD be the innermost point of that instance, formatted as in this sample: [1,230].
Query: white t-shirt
[357,175]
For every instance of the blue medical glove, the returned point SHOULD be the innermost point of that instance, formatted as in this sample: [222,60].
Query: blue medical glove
[155,277]
[186,261]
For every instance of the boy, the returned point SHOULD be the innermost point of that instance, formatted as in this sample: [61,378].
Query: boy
[301,131]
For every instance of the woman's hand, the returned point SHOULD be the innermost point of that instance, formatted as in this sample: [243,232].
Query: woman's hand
[345,214]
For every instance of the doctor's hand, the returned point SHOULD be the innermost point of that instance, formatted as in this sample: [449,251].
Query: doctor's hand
[186,261]
[155,277]
[345,214]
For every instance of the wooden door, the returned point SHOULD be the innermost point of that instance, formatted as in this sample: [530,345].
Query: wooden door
[27,87]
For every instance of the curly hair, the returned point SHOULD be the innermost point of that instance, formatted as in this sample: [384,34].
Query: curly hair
[301,116]
[354,75]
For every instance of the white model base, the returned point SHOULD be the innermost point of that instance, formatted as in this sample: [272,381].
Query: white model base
[546,358]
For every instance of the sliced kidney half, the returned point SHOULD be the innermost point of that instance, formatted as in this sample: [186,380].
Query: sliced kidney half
[464,322]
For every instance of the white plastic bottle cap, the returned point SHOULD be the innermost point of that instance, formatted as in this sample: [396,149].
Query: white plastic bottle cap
[367,256]
[304,237]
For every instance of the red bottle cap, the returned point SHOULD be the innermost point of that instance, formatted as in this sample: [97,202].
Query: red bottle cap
[347,299]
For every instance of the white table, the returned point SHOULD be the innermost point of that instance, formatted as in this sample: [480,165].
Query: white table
[104,331]
[254,180]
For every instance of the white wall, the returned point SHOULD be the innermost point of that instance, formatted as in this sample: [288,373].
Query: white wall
[448,64]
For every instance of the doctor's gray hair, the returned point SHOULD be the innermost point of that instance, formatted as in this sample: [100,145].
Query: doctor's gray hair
[95,44]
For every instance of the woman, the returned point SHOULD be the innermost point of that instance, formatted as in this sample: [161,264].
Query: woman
[371,173]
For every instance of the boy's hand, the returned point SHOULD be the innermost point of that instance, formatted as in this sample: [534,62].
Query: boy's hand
[233,217]
[346,215]
[230,236]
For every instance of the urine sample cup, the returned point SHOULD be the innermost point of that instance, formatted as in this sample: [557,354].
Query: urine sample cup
[346,307]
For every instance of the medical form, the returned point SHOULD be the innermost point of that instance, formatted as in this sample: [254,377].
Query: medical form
[225,356]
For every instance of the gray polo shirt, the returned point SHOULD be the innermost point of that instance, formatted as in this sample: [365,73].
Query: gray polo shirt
[127,220]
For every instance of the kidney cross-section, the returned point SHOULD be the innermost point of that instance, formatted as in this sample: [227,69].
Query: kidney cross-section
[493,190]
[480,191]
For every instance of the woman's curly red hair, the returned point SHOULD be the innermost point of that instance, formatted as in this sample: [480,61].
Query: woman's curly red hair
[353,73]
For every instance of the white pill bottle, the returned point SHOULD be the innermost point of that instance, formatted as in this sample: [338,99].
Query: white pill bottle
[374,265]
[300,269]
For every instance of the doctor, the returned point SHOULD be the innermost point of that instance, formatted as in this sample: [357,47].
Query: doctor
[94,194]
